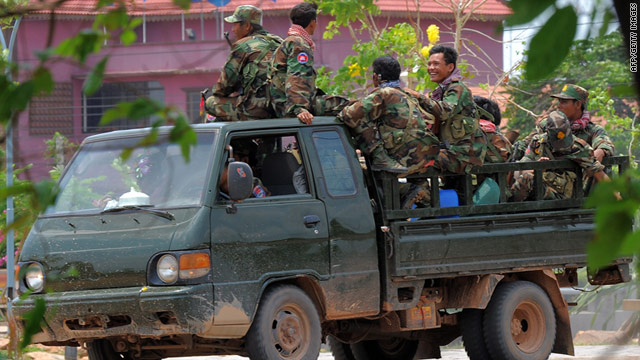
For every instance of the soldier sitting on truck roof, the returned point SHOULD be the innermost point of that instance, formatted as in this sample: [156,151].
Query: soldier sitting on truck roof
[293,89]
[241,92]
[572,101]
[556,143]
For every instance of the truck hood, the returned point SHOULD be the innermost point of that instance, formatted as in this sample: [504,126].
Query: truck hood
[110,250]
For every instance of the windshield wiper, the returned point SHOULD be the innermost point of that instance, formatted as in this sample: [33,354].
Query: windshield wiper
[164,214]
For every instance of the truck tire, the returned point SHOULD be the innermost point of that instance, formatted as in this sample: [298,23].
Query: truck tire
[519,322]
[472,334]
[340,350]
[393,348]
[103,350]
[287,326]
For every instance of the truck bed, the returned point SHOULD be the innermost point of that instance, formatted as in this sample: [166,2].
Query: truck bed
[482,239]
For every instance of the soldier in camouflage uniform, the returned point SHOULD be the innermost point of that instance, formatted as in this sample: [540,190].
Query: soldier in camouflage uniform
[573,103]
[556,143]
[498,146]
[293,79]
[452,104]
[241,91]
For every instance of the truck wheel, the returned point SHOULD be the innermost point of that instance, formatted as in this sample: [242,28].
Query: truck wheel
[519,322]
[388,349]
[471,328]
[102,350]
[340,350]
[287,326]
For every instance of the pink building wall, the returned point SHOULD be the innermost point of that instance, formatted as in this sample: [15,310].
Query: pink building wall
[179,65]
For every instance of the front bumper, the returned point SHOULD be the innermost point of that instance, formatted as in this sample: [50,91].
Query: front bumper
[145,312]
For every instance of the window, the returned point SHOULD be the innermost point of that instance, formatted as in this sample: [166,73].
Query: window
[276,164]
[335,164]
[110,94]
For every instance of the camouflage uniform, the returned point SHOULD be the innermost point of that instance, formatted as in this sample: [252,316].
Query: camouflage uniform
[245,72]
[595,135]
[558,184]
[458,128]
[293,82]
[390,118]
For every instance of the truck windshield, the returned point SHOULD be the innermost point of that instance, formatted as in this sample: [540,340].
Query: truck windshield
[156,176]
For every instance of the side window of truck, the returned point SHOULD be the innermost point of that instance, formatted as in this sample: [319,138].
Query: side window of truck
[335,164]
[276,163]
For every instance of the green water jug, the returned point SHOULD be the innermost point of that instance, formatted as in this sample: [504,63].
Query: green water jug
[487,193]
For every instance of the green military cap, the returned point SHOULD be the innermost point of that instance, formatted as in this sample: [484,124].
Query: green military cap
[575,92]
[248,13]
[559,131]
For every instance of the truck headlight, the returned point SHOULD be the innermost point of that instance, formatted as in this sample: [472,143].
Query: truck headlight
[167,268]
[34,277]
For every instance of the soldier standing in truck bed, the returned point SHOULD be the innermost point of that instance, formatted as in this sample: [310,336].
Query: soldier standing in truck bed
[293,89]
[241,91]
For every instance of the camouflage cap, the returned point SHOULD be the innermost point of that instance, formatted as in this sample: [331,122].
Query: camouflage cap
[575,92]
[559,131]
[248,13]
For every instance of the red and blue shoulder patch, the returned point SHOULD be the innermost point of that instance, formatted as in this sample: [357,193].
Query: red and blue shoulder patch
[303,58]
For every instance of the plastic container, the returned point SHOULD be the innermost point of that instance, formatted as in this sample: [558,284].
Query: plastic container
[487,193]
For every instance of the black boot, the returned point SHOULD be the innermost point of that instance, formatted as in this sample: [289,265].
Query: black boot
[381,161]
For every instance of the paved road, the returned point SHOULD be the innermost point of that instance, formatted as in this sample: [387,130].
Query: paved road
[631,352]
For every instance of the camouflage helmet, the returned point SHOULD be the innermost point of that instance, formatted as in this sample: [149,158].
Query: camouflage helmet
[248,13]
[573,92]
[559,131]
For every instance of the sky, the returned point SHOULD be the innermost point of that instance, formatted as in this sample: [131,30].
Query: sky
[516,38]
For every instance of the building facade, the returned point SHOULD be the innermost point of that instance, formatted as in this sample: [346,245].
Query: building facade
[177,54]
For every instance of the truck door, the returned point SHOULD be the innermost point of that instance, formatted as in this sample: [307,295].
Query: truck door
[280,232]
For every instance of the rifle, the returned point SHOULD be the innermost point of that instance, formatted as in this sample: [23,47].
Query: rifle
[226,36]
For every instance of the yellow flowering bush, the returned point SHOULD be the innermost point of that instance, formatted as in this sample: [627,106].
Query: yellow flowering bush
[433,33]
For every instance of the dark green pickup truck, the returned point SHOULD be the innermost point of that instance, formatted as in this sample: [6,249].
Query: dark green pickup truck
[156,257]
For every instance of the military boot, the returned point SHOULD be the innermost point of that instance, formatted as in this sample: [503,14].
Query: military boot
[381,161]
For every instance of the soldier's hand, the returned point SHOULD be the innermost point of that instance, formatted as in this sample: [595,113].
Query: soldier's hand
[305,117]
[598,154]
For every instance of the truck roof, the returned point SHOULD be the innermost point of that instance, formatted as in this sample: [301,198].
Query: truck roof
[217,126]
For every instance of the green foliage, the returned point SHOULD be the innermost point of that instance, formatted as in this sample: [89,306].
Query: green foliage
[597,64]
[552,42]
[547,48]
[94,80]
[347,12]
[614,219]
[33,322]
[526,10]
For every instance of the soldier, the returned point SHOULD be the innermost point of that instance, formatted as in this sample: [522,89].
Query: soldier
[572,101]
[557,142]
[498,146]
[241,92]
[293,79]
[392,128]
[452,104]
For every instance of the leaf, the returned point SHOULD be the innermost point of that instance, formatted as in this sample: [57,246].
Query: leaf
[608,16]
[114,19]
[93,82]
[119,112]
[22,95]
[46,192]
[128,37]
[551,44]
[183,4]
[33,322]
[42,80]
[526,10]
[183,134]
[81,45]
[44,55]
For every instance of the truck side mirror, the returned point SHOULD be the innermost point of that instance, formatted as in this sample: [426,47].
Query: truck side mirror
[240,180]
